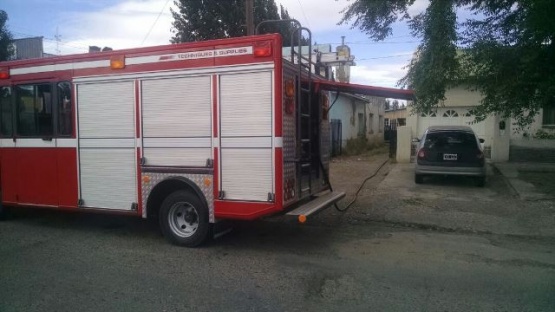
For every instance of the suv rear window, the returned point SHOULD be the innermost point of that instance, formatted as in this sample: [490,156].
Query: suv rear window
[445,139]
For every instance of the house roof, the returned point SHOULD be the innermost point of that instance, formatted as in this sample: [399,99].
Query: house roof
[402,94]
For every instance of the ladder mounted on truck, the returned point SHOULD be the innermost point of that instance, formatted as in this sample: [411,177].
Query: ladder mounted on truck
[308,161]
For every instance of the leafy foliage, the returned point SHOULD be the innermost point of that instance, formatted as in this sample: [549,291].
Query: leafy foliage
[376,16]
[544,135]
[6,49]
[506,51]
[197,20]
[435,65]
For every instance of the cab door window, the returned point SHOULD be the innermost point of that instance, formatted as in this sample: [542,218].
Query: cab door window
[34,110]
[6,115]
[65,110]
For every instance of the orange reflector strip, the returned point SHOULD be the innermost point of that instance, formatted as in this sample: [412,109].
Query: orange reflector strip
[302,219]
[117,62]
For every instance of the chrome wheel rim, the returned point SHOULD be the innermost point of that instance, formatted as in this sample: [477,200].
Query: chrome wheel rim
[183,219]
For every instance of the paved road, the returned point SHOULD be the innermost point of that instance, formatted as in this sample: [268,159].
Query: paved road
[441,246]
[82,262]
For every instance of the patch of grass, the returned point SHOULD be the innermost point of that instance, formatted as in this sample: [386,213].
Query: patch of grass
[361,146]
[543,181]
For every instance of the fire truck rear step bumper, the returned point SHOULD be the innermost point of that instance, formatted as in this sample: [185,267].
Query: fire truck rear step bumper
[315,205]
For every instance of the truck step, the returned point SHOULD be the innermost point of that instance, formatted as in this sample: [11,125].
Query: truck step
[321,202]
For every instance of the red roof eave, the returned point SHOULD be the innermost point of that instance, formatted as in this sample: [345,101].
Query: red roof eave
[402,94]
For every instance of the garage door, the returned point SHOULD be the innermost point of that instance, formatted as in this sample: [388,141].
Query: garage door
[452,116]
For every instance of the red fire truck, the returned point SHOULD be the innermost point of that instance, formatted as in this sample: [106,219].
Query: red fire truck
[187,133]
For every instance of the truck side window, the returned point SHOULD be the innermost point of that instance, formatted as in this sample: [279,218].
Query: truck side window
[34,110]
[6,120]
[65,110]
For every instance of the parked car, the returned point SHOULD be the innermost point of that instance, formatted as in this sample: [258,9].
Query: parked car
[450,150]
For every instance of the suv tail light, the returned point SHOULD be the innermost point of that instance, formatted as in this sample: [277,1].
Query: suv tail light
[421,153]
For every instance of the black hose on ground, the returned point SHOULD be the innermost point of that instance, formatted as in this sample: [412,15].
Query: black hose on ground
[360,188]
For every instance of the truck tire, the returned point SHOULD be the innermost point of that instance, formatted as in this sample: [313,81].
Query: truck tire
[3,210]
[184,219]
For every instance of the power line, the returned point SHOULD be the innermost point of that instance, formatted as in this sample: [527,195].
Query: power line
[382,57]
[81,47]
[58,40]
[155,21]
[382,42]
[302,10]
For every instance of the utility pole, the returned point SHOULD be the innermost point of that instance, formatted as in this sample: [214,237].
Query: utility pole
[249,13]
[58,38]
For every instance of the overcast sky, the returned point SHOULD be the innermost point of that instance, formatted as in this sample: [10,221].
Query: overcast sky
[133,23]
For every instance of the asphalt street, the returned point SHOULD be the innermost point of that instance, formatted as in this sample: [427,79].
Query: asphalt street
[53,261]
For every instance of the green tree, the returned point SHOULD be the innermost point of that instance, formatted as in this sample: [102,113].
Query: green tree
[6,48]
[395,105]
[197,20]
[506,51]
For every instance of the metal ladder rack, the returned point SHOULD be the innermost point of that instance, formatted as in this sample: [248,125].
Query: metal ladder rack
[304,109]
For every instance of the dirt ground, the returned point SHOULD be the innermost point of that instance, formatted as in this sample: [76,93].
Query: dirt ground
[348,173]
[452,204]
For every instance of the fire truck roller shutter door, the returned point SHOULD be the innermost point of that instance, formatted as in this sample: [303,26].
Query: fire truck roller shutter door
[177,121]
[246,101]
[107,145]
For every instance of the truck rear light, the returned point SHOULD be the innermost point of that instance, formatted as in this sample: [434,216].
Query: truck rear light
[289,106]
[289,88]
[263,49]
[4,73]
[289,189]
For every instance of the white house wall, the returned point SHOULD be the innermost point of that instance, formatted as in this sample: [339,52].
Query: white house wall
[347,108]
[462,100]
[461,96]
